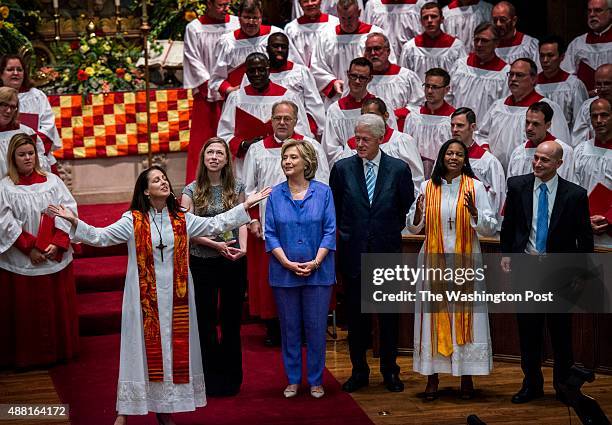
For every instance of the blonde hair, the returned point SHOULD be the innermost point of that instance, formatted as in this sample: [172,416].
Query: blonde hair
[202,195]
[308,154]
[6,95]
[18,140]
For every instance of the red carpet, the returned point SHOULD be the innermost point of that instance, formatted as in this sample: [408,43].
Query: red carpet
[89,387]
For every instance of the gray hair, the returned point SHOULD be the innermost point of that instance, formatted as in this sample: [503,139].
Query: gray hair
[289,103]
[384,37]
[345,4]
[374,123]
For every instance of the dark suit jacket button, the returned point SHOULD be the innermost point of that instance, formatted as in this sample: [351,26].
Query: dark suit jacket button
[300,241]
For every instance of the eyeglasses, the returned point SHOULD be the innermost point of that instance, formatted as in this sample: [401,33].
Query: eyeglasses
[280,118]
[432,86]
[361,78]
[18,70]
[9,106]
[518,75]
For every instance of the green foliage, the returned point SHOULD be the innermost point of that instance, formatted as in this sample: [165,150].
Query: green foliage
[16,21]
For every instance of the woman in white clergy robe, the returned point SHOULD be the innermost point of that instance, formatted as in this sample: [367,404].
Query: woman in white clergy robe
[160,367]
[453,207]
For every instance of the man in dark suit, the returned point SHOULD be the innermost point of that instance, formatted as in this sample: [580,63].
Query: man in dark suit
[372,194]
[544,214]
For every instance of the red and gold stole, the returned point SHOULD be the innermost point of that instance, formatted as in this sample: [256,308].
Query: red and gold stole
[441,321]
[148,298]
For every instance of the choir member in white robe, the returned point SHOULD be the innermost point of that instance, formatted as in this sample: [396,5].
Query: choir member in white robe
[233,48]
[556,84]
[593,165]
[589,51]
[174,381]
[337,47]
[503,126]
[537,123]
[400,18]
[246,113]
[305,30]
[429,123]
[487,169]
[439,348]
[38,305]
[9,126]
[329,7]
[513,44]
[433,48]
[461,17]
[262,168]
[583,130]
[480,78]
[396,85]
[201,37]
[296,78]
[34,108]
[395,143]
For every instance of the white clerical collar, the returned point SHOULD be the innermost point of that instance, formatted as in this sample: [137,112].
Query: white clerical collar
[279,141]
[551,184]
[375,160]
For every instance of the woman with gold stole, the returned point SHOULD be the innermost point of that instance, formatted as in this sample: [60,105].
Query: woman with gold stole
[160,366]
[452,207]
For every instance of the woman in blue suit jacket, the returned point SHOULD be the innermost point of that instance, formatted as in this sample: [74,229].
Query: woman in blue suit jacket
[300,231]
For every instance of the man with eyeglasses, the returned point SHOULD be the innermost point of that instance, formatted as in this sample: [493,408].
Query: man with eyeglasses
[589,51]
[503,126]
[337,47]
[461,17]
[429,123]
[433,48]
[398,86]
[556,84]
[401,19]
[480,78]
[201,37]
[513,44]
[233,48]
[583,129]
[246,114]
[307,28]
[262,168]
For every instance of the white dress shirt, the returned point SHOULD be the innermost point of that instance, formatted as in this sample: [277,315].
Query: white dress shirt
[375,161]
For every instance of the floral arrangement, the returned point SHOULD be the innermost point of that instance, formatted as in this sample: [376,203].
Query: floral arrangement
[14,21]
[93,64]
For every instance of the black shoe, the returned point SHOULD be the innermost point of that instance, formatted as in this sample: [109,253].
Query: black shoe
[394,384]
[559,396]
[525,395]
[355,382]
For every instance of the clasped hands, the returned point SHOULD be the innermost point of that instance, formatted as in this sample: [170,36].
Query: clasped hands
[37,256]
[301,269]
[228,251]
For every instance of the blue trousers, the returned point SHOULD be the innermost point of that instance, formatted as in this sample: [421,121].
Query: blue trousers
[308,306]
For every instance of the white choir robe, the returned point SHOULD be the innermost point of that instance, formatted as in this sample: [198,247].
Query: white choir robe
[230,53]
[475,358]
[461,21]
[586,53]
[477,86]
[422,53]
[593,166]
[5,139]
[332,54]
[327,6]
[520,46]
[398,87]
[400,18]
[565,89]
[430,131]
[256,107]
[522,157]
[36,103]
[489,171]
[340,126]
[136,395]
[503,126]
[304,32]
[27,202]
[298,79]
[262,167]
[397,145]
[583,128]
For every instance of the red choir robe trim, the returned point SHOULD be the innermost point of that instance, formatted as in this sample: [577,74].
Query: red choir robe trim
[287,66]
[527,101]
[600,201]
[475,151]
[517,40]
[349,102]
[352,143]
[559,77]
[495,64]
[25,242]
[241,35]
[398,1]
[363,28]
[548,138]
[455,3]
[323,17]
[392,70]
[442,41]
[234,79]
[603,144]
[603,37]
[207,20]
[247,127]
[445,110]
[400,115]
